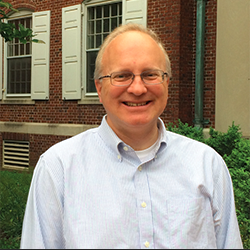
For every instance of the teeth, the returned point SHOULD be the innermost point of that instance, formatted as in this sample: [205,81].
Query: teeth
[131,104]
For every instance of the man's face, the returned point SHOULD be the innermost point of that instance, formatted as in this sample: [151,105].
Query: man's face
[137,105]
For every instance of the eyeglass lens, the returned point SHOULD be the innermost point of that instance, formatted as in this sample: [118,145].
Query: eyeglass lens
[148,77]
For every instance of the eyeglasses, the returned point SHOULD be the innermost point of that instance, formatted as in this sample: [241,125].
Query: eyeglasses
[149,77]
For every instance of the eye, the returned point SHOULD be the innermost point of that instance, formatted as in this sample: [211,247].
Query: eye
[150,75]
[121,76]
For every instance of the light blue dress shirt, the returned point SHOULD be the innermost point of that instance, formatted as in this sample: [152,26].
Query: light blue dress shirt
[92,191]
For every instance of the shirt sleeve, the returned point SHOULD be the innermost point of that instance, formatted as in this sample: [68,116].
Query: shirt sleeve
[225,219]
[43,219]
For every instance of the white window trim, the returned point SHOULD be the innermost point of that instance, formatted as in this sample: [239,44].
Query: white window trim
[16,15]
[28,98]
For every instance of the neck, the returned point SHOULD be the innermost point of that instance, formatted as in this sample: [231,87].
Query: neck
[137,137]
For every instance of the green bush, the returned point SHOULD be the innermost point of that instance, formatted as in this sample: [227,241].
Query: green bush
[235,150]
[14,188]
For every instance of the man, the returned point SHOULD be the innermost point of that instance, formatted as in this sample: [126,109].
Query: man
[130,183]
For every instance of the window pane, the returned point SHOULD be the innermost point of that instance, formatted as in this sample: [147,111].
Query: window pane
[91,28]
[16,50]
[106,10]
[114,23]
[99,12]
[91,13]
[98,26]
[10,49]
[21,49]
[98,41]
[114,9]
[91,42]
[28,23]
[19,76]
[106,25]
[28,48]
[91,56]
[120,8]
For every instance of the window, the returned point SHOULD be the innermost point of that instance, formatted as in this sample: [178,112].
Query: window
[19,62]
[26,66]
[101,20]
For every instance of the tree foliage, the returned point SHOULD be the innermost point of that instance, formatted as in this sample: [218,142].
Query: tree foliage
[9,31]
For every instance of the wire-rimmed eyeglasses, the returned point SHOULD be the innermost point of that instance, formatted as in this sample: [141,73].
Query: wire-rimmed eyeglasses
[149,77]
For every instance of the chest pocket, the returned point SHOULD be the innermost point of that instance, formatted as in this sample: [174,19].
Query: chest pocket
[187,223]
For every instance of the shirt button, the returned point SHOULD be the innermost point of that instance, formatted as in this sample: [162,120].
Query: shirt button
[119,157]
[144,204]
[125,148]
[140,168]
[147,244]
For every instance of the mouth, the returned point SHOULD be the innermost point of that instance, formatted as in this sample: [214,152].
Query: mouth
[133,104]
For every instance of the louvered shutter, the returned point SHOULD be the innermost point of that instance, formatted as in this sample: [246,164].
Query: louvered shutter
[1,68]
[40,56]
[71,52]
[135,11]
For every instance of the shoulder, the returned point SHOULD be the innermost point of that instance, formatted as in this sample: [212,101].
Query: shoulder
[189,149]
[179,141]
[71,146]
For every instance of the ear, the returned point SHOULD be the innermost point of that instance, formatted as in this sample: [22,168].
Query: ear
[98,86]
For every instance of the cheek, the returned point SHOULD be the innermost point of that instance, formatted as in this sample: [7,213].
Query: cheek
[110,94]
[160,91]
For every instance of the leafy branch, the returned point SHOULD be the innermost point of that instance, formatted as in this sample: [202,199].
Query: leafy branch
[9,31]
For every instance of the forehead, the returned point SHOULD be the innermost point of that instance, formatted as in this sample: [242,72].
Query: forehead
[134,45]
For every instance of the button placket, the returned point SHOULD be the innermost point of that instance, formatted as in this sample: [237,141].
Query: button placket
[144,209]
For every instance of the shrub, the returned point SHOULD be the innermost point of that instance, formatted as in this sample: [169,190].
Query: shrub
[235,150]
[14,188]
[186,130]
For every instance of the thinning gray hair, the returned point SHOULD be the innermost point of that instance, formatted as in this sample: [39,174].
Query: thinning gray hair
[120,30]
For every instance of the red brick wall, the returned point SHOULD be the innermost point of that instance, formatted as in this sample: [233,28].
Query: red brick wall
[164,18]
[210,61]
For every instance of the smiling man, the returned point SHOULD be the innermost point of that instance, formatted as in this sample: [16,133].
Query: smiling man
[130,183]
[134,87]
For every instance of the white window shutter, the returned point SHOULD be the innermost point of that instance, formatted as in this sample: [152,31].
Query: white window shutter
[134,11]
[1,68]
[71,52]
[40,56]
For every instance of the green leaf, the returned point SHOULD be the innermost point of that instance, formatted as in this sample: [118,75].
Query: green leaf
[38,41]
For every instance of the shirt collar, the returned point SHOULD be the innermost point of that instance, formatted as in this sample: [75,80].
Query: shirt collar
[113,141]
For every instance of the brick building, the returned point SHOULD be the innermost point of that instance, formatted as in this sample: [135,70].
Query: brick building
[48,91]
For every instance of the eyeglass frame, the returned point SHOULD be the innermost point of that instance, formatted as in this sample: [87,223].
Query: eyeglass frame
[133,77]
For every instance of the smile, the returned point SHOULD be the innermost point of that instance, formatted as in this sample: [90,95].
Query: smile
[132,104]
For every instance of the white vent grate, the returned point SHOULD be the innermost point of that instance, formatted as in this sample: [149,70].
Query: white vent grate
[15,154]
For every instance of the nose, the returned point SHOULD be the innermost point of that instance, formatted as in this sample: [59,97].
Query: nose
[137,87]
